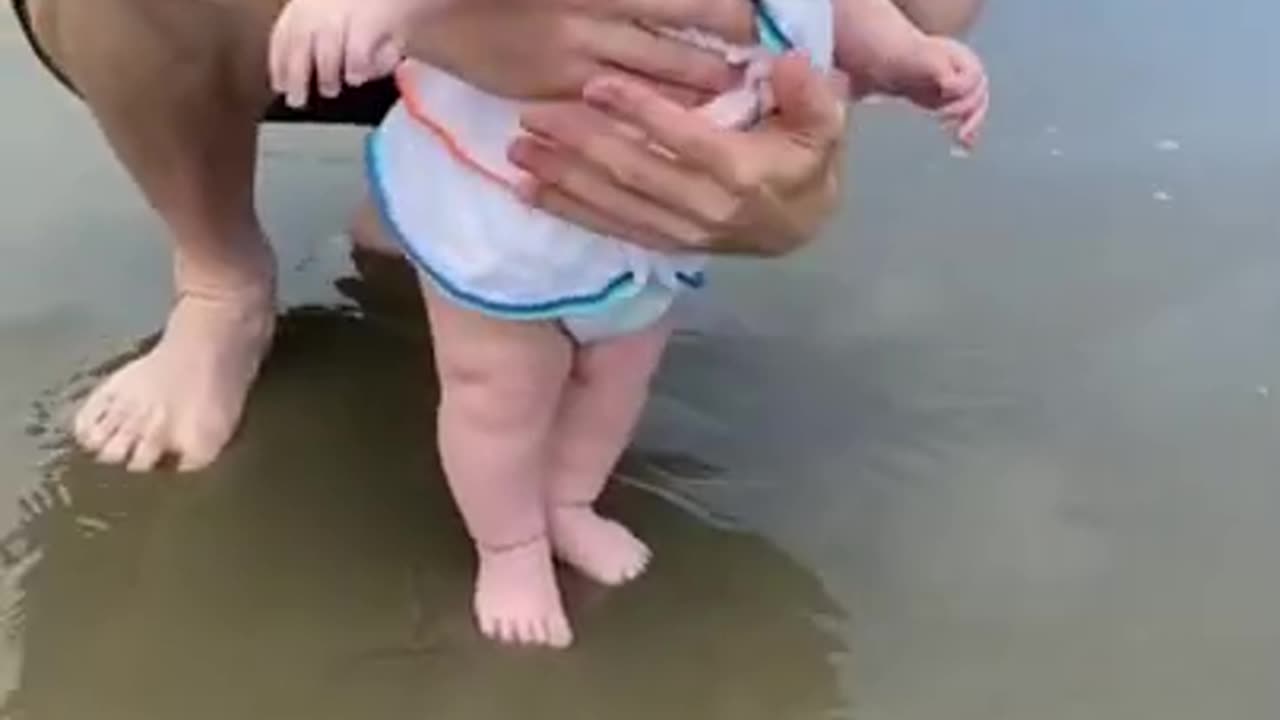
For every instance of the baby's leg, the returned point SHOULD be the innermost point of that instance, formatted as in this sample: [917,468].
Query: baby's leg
[607,391]
[501,383]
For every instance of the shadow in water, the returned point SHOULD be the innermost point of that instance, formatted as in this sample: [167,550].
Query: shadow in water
[319,571]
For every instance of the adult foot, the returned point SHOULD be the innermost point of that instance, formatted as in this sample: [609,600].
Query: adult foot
[184,398]
[517,601]
[599,548]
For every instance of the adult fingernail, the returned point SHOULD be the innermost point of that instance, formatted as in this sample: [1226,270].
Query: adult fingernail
[603,92]
[534,119]
[519,152]
[524,153]
[526,190]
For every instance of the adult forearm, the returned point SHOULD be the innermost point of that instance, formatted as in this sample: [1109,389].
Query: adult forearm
[548,49]
[942,17]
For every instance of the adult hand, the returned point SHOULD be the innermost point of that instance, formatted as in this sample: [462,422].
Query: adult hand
[549,49]
[763,192]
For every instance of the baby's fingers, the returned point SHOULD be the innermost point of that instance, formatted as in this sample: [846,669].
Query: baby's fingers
[361,44]
[965,117]
[968,133]
[370,56]
[387,58]
[329,47]
[291,55]
[963,73]
[298,71]
[964,105]
[280,50]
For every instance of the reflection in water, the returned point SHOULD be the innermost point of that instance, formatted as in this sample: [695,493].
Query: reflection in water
[319,571]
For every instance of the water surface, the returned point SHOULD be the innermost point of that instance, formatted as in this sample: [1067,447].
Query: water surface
[1002,446]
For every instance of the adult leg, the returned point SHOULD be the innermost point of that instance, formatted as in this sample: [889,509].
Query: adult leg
[607,392]
[177,87]
[500,386]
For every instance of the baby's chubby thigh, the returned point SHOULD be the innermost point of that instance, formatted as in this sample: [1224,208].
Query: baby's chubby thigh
[500,378]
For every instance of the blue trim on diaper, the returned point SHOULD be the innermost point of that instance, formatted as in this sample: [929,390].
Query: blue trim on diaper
[771,34]
[694,281]
[548,310]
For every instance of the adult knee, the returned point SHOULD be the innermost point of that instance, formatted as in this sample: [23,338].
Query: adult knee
[174,56]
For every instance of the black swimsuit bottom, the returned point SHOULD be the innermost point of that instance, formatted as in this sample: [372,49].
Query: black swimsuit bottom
[365,105]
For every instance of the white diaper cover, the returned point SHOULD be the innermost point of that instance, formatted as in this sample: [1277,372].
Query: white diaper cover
[440,177]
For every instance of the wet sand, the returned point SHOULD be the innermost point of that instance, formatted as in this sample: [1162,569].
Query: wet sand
[1003,446]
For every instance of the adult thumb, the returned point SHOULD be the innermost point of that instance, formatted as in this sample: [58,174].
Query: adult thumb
[809,102]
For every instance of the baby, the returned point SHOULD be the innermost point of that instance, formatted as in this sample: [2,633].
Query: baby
[546,334]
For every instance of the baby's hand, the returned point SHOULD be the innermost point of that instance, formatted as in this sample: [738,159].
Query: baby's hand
[945,76]
[337,41]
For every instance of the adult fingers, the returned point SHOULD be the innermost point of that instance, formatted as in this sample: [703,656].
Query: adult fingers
[687,135]
[810,121]
[808,104]
[628,157]
[669,60]
[551,199]
[797,145]
[575,178]
[840,83]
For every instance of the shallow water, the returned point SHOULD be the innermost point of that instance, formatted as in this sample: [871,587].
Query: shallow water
[1002,447]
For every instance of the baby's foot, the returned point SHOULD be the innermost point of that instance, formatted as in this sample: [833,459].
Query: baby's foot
[597,547]
[517,601]
[183,398]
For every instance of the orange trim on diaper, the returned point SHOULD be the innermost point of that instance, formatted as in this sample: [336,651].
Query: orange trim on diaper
[414,106]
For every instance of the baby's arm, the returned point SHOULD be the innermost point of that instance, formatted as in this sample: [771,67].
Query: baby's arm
[883,51]
[870,35]
[942,17]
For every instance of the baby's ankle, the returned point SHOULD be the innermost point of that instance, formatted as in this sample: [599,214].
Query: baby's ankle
[501,548]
